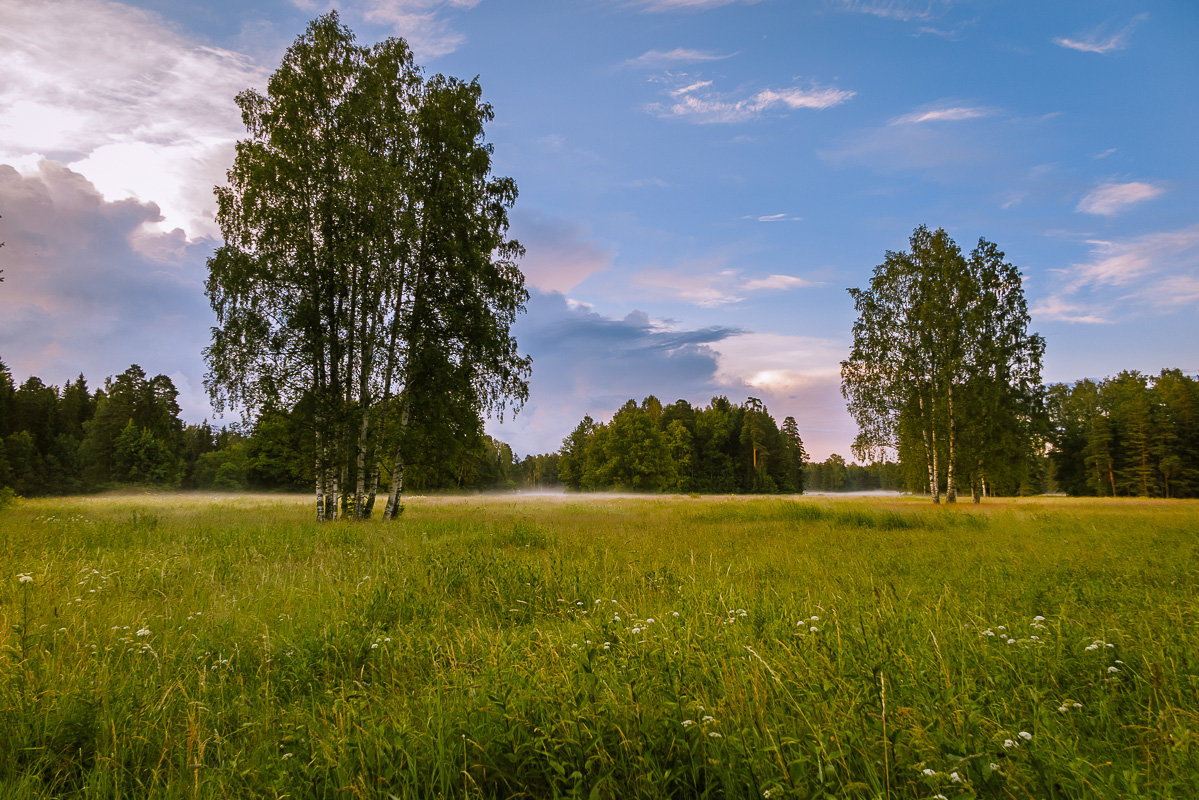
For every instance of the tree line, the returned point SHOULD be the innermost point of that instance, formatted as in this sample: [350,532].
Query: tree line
[722,447]
[128,432]
[1127,435]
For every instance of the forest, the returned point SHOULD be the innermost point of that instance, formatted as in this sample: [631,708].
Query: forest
[1127,435]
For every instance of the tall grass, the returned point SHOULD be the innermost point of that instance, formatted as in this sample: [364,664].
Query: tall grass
[202,647]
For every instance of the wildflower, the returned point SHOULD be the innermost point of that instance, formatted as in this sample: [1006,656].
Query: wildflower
[929,772]
[649,621]
[956,778]
[616,617]
[1026,736]
[714,735]
[607,645]
[1076,705]
[813,629]
[636,630]
[374,645]
[597,602]
[814,618]
[1038,618]
[143,632]
[1113,669]
[708,719]
[1109,644]
[988,632]
[687,723]
[1002,628]
[994,767]
[674,613]
[1009,744]
[23,578]
[1011,641]
[940,797]
[1063,708]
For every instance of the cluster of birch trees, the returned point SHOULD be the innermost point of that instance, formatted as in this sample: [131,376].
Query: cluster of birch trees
[366,273]
[943,367]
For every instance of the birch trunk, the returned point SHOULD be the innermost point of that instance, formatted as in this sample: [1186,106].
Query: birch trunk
[393,508]
[951,490]
[928,432]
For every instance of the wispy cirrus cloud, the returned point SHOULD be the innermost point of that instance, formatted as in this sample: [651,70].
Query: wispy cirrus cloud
[901,10]
[425,24]
[695,103]
[943,114]
[1112,198]
[711,288]
[684,5]
[776,218]
[679,55]
[1157,270]
[1101,40]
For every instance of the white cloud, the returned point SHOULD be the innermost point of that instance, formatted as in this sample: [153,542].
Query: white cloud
[706,107]
[951,114]
[1112,198]
[1059,309]
[776,218]
[679,55]
[901,10]
[1099,41]
[692,87]
[712,288]
[1156,270]
[115,93]
[686,5]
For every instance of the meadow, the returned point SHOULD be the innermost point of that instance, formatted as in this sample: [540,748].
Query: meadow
[188,646]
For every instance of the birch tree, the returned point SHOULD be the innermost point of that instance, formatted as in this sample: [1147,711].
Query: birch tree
[942,355]
[366,265]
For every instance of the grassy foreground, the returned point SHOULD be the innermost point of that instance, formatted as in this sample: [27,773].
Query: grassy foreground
[185,646]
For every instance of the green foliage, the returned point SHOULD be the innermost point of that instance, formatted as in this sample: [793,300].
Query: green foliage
[676,448]
[1127,435]
[719,647]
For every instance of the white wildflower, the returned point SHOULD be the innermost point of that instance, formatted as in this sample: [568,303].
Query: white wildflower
[687,723]
[708,719]
[23,578]
[1026,736]
[956,778]
[1011,641]
[929,772]
[649,621]
[1113,669]
[994,767]
[143,632]
[715,735]
[1009,744]
[1038,618]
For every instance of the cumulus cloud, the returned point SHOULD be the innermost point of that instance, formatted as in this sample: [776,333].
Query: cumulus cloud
[950,114]
[559,255]
[1101,40]
[695,103]
[588,363]
[115,93]
[1112,198]
[88,289]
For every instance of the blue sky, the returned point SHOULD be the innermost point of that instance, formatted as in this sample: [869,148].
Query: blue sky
[700,179]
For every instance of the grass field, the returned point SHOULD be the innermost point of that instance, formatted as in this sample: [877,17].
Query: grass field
[187,646]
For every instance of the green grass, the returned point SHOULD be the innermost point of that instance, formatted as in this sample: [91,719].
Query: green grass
[187,646]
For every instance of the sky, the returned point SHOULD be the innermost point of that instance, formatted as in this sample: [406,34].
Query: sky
[700,180]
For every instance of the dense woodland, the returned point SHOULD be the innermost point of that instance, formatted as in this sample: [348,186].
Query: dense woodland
[1128,435]
[128,433]
[678,448]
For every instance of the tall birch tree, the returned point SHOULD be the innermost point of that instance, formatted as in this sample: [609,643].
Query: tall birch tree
[942,362]
[366,265]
